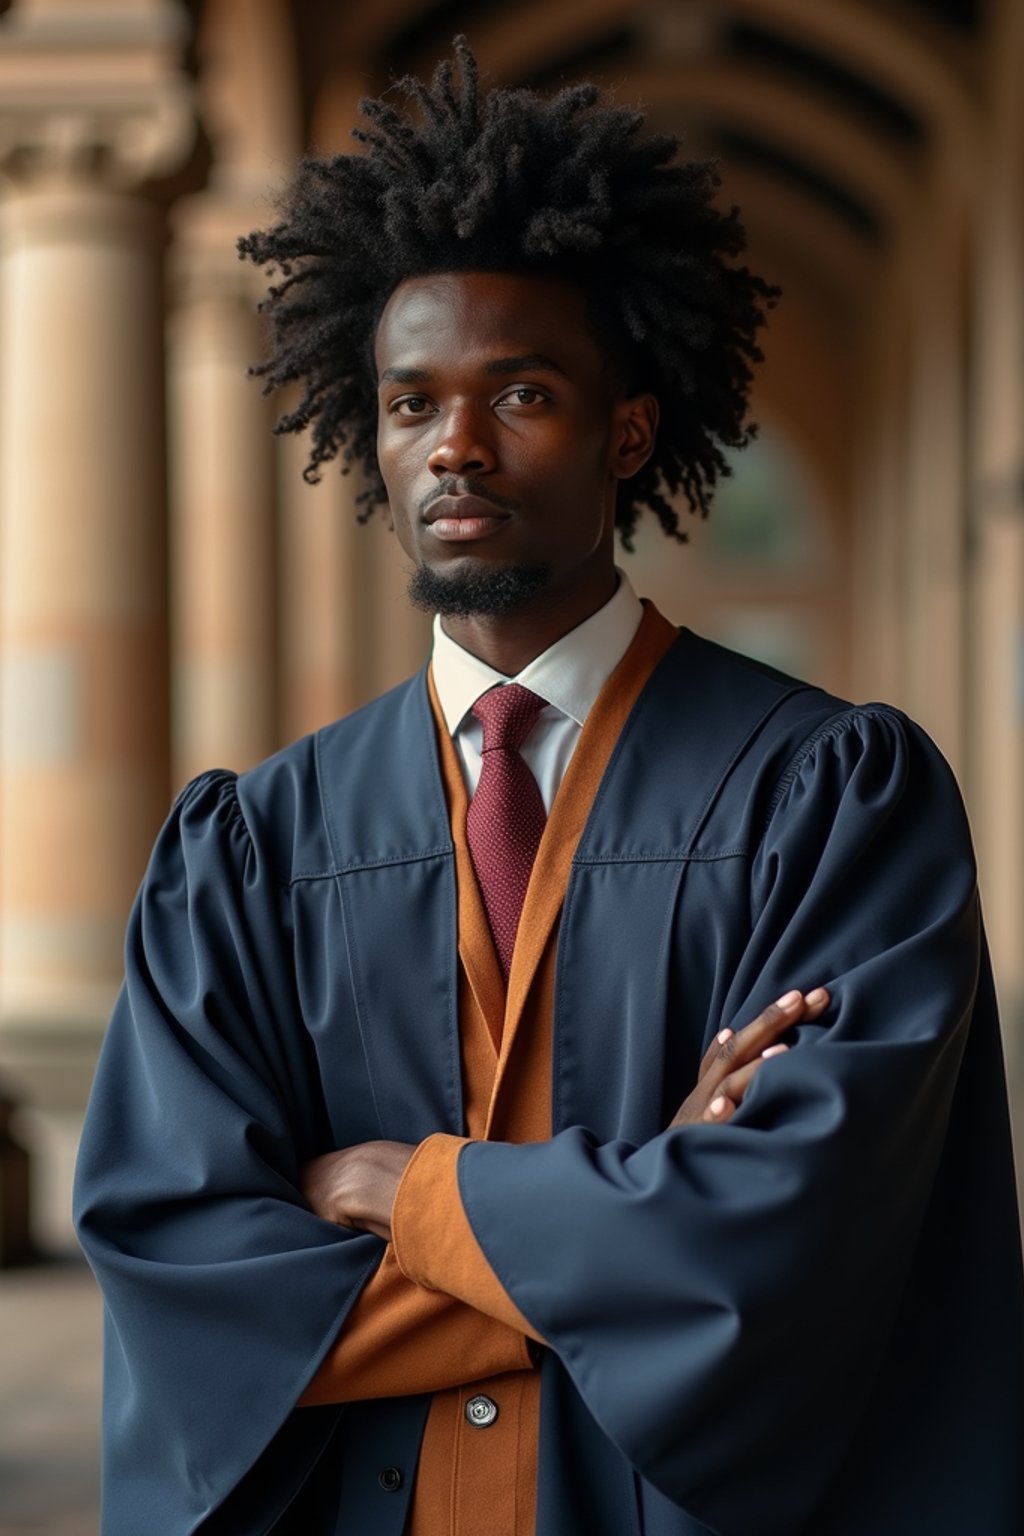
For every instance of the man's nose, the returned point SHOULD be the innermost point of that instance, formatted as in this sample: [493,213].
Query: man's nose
[464,446]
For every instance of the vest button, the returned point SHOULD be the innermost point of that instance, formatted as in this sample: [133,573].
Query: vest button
[390,1479]
[481,1411]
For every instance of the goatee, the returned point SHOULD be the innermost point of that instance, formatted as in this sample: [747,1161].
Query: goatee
[466,594]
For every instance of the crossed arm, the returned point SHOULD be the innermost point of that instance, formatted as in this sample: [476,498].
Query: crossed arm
[357,1187]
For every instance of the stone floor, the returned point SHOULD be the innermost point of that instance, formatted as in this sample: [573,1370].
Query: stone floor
[49,1400]
[50,1331]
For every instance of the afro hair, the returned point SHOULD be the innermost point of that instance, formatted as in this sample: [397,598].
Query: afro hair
[460,179]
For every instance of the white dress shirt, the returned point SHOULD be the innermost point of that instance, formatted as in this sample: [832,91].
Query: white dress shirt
[569,675]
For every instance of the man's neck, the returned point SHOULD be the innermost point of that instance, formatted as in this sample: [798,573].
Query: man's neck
[509,642]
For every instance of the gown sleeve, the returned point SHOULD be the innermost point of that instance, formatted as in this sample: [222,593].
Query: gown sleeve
[222,1290]
[722,1296]
[224,1293]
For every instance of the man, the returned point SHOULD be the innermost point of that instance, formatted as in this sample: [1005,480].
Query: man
[446,973]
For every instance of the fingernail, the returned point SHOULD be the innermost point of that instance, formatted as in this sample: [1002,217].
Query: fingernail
[717,1105]
[789,1000]
[817,996]
[723,1036]
[775,1050]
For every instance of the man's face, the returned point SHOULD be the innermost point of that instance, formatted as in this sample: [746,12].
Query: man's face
[499,437]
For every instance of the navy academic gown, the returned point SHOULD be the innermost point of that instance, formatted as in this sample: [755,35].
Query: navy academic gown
[807,1322]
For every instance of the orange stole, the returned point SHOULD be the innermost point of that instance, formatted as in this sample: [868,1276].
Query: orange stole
[407,1333]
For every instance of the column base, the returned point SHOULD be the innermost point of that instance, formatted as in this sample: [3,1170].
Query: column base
[49,1065]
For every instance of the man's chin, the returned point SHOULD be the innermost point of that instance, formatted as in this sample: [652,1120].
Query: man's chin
[475,591]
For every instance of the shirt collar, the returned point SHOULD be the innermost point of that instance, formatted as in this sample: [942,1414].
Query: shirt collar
[569,674]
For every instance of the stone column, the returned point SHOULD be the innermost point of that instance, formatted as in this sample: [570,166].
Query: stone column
[344,621]
[348,631]
[997,486]
[92,108]
[325,595]
[400,633]
[224,554]
[878,575]
[936,518]
[223,599]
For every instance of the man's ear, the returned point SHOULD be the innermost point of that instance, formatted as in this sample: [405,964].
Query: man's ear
[634,434]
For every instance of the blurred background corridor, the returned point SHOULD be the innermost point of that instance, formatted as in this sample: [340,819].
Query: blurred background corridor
[174,596]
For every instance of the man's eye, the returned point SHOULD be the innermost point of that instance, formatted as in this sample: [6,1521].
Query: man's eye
[524,395]
[411,405]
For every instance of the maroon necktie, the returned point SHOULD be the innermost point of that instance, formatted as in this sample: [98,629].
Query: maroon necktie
[506,814]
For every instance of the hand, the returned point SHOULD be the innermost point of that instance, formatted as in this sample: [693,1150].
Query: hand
[356,1188]
[733,1060]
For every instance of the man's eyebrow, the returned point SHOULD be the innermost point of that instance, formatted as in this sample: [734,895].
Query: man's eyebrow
[404,376]
[529,362]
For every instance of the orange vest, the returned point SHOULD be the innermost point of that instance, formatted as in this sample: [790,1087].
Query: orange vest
[401,1338]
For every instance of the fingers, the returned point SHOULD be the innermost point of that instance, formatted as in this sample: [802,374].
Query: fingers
[720,1109]
[733,1088]
[735,1058]
[730,1049]
[815,1003]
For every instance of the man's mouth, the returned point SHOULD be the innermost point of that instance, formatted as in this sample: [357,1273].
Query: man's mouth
[461,518]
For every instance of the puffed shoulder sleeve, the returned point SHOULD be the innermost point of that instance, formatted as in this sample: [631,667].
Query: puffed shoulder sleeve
[723,1296]
[223,1291]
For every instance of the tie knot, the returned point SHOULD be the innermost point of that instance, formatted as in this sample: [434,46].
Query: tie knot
[508,714]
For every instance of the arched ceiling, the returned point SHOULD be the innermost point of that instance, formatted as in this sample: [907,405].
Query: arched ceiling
[829,116]
[843,102]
